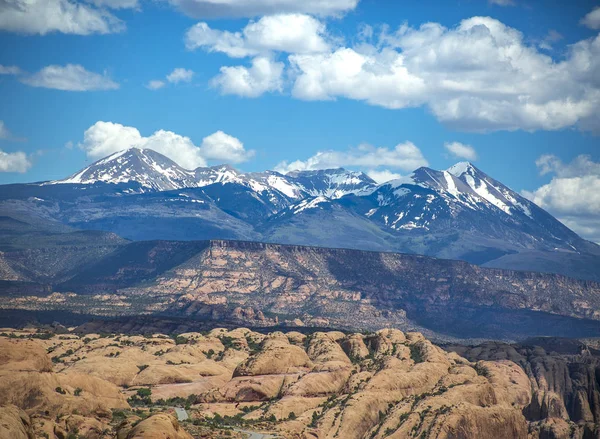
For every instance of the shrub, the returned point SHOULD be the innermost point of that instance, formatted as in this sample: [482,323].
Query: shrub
[314,420]
[415,354]
[78,391]
[180,340]
[482,370]
[143,392]
[229,342]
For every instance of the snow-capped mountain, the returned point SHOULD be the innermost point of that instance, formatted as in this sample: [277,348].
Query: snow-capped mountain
[465,199]
[459,213]
[331,183]
[153,171]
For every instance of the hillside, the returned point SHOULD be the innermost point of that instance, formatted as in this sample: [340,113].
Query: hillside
[266,284]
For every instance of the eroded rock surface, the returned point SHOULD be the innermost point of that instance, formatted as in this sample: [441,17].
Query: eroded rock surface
[322,385]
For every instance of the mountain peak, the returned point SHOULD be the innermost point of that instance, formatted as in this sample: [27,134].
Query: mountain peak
[332,183]
[462,168]
[223,167]
[147,167]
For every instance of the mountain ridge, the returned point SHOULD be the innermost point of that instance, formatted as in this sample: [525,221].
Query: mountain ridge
[155,171]
[240,281]
[457,213]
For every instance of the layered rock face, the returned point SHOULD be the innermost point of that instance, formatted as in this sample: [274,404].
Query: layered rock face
[354,289]
[254,284]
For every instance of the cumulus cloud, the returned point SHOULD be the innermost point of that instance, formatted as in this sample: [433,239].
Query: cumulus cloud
[105,138]
[573,194]
[9,70]
[223,147]
[461,151]
[265,75]
[66,16]
[254,8]
[592,19]
[14,162]
[294,33]
[404,156]
[479,76]
[155,84]
[180,75]
[71,77]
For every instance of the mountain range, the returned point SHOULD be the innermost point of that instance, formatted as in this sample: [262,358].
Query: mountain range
[458,213]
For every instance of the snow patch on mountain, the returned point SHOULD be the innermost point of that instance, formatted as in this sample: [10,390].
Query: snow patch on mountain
[313,203]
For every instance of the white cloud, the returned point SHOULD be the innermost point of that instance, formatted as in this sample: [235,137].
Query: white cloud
[573,194]
[46,16]
[155,84]
[14,162]
[404,156]
[105,138]
[294,33]
[592,19]
[581,165]
[253,8]
[71,77]
[175,77]
[384,175]
[116,4]
[223,147]
[551,37]
[461,151]
[263,76]
[502,2]
[180,75]
[379,79]
[479,76]
[9,70]
[4,133]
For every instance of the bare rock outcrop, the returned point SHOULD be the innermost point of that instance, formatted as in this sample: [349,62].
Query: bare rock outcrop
[323,385]
[159,426]
[15,423]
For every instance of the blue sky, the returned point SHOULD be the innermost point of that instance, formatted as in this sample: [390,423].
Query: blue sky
[515,90]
